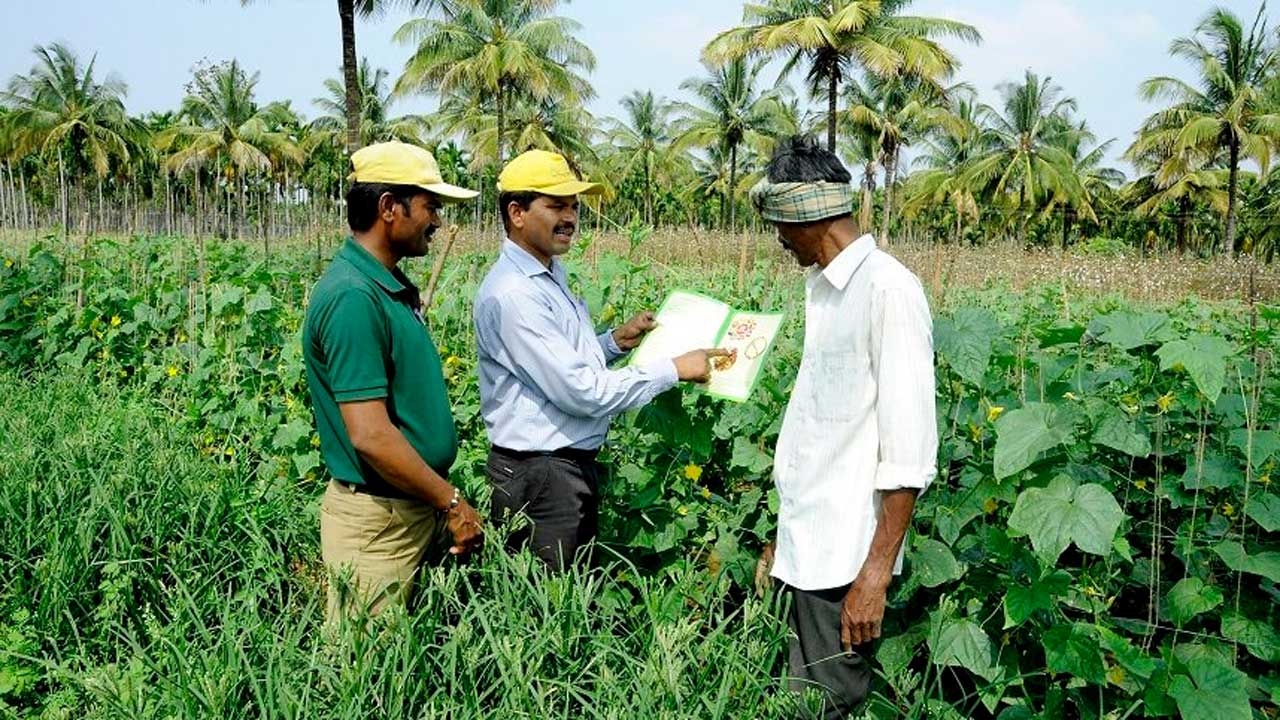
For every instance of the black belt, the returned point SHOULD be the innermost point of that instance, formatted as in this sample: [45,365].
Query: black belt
[382,490]
[566,453]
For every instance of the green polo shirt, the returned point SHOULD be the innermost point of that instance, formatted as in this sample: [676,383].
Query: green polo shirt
[364,338]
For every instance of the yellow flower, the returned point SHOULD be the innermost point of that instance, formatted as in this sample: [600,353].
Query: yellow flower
[989,505]
[115,321]
[1265,480]
[693,472]
[706,493]
[1141,484]
[1164,402]
[1069,396]
[1228,509]
[1116,675]
[229,451]
[315,441]
[682,510]
[976,431]
[993,412]
[172,371]
[8,263]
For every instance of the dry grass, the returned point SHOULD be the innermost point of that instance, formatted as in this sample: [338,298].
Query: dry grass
[1151,279]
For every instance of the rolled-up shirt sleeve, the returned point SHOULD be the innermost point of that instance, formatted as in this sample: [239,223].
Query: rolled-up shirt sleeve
[902,360]
[537,351]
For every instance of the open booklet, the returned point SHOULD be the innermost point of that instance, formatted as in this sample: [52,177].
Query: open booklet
[691,321]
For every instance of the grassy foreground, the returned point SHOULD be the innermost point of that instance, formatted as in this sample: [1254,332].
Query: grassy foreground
[141,579]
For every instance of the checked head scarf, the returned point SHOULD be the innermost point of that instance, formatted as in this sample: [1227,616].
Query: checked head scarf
[801,202]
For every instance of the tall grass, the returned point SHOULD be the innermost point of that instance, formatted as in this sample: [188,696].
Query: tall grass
[140,578]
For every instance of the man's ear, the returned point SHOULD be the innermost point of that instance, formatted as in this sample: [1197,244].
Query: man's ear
[387,207]
[516,214]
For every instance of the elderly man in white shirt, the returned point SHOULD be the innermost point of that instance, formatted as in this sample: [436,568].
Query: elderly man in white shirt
[859,440]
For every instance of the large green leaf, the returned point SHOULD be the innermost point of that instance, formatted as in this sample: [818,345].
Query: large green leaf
[1265,510]
[1261,445]
[963,340]
[748,455]
[1266,563]
[1020,602]
[1261,638]
[1204,357]
[1217,471]
[1062,513]
[933,564]
[1190,597]
[1129,330]
[1022,434]
[961,643]
[1112,429]
[1073,650]
[1212,690]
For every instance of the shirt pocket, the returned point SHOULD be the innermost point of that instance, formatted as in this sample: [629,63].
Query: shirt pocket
[834,385]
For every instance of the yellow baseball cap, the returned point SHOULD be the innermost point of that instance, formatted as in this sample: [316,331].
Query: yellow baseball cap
[545,173]
[398,163]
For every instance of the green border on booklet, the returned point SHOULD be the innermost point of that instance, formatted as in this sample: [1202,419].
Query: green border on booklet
[755,377]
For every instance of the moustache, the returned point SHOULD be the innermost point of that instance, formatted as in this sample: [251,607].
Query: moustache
[565,229]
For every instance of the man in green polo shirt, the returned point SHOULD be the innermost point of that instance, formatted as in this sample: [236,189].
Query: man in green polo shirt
[382,411]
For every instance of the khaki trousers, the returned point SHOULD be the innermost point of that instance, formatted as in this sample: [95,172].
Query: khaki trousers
[373,547]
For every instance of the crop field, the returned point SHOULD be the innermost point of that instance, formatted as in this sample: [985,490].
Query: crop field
[1101,541]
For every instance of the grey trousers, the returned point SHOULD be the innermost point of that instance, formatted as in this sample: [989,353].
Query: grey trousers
[558,495]
[817,659]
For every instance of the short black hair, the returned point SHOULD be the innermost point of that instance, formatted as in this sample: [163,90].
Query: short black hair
[523,198]
[362,201]
[799,158]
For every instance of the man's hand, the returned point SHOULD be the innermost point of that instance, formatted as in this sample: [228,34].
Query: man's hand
[465,527]
[763,567]
[628,336]
[695,366]
[863,612]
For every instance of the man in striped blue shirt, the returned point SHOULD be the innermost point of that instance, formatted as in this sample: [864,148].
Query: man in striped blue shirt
[546,389]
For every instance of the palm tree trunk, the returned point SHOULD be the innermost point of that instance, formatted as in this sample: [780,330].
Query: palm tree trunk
[648,191]
[865,218]
[890,175]
[833,85]
[1229,244]
[501,110]
[1184,221]
[733,184]
[1068,219]
[347,15]
[62,192]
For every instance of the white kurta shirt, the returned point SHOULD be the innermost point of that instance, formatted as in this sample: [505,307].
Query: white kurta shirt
[861,418]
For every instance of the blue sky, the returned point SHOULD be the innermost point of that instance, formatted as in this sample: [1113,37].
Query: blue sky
[1098,50]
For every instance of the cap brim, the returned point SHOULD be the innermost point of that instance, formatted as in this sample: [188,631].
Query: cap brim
[564,189]
[450,193]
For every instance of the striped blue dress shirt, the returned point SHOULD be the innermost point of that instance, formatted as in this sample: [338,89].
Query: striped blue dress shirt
[545,383]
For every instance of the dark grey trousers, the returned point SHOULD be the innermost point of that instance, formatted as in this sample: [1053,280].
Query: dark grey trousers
[817,659]
[558,495]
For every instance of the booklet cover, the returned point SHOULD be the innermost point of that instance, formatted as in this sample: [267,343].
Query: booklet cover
[692,321]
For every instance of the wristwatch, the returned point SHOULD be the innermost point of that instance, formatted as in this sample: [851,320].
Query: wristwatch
[454,502]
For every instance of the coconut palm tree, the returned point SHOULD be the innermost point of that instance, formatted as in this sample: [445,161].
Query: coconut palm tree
[61,106]
[1228,111]
[898,111]
[731,111]
[1184,179]
[1094,180]
[348,11]
[497,50]
[833,36]
[224,129]
[1021,166]
[376,124]
[60,110]
[641,141]
[946,153]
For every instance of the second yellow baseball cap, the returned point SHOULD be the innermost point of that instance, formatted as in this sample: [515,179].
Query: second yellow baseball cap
[545,173]
[398,163]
